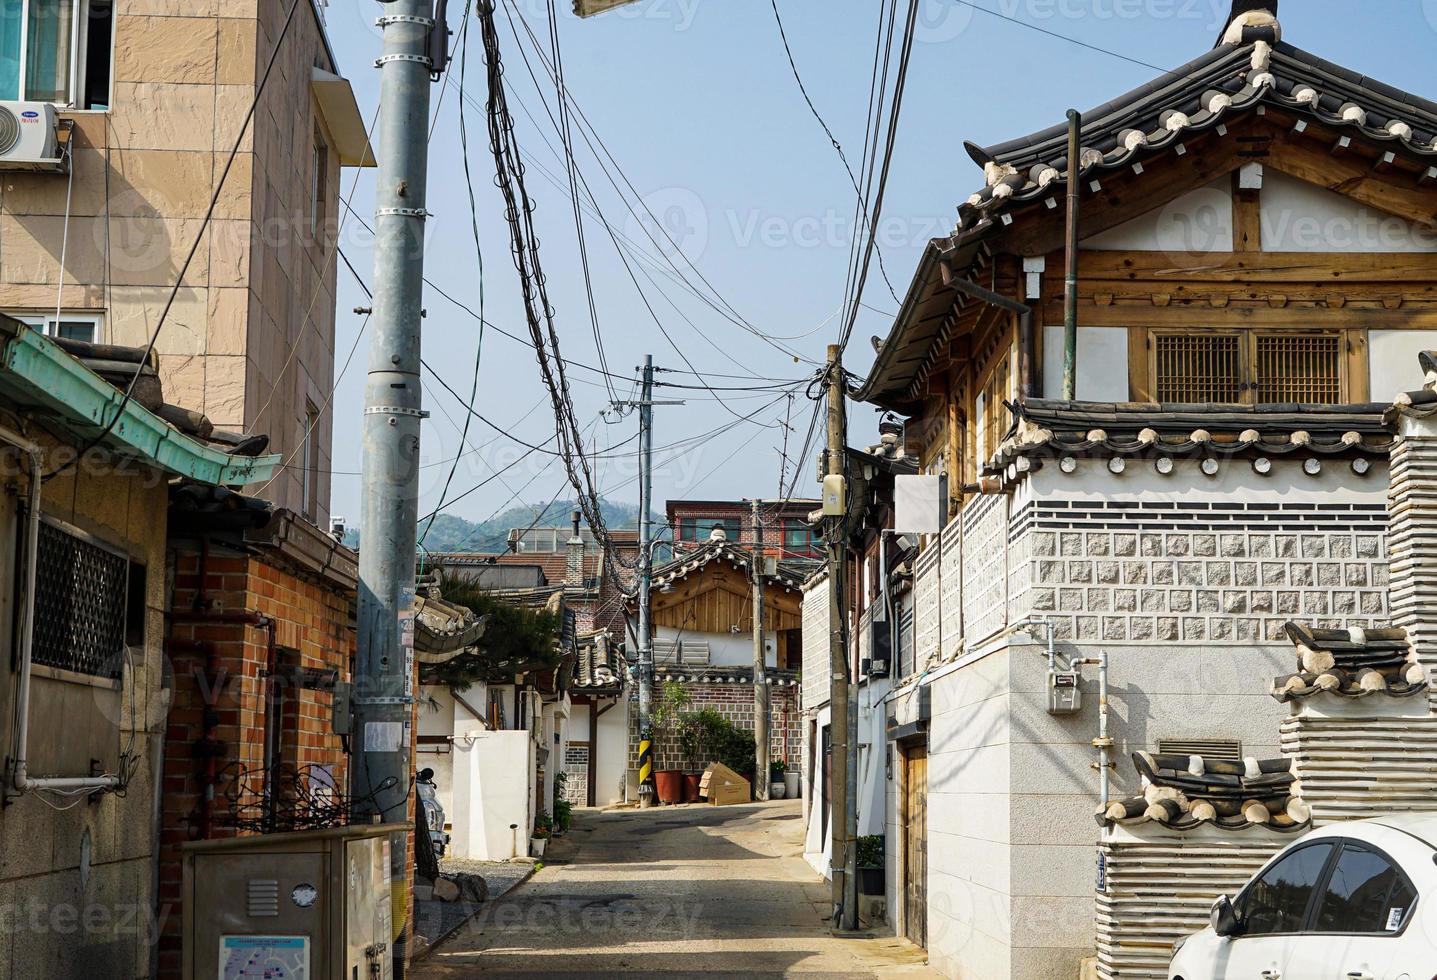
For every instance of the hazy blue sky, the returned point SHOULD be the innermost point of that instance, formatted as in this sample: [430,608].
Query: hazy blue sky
[695,100]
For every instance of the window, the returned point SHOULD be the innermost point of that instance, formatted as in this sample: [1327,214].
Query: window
[993,416]
[57,51]
[1365,894]
[309,485]
[319,186]
[799,538]
[1277,902]
[70,326]
[1248,367]
[699,528]
[80,604]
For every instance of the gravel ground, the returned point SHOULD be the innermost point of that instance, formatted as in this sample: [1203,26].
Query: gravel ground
[500,876]
[435,920]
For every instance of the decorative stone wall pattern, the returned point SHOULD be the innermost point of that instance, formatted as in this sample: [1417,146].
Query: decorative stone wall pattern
[927,604]
[734,702]
[985,569]
[576,773]
[1156,571]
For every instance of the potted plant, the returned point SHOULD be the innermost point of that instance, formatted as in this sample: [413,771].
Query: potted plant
[699,731]
[777,790]
[669,783]
[870,861]
[543,828]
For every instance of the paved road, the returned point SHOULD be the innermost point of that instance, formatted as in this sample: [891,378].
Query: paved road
[677,892]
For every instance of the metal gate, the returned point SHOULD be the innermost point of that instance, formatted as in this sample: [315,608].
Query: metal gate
[915,843]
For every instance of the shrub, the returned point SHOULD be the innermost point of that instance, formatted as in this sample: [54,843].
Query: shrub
[563,816]
[870,851]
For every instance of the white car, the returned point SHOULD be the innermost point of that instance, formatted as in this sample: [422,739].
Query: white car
[1352,901]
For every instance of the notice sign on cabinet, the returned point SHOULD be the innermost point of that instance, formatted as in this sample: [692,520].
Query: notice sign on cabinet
[383,736]
[264,958]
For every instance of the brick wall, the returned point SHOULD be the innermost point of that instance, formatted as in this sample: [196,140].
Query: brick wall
[734,702]
[219,707]
[576,773]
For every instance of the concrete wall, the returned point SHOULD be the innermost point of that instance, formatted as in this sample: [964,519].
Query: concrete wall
[78,882]
[493,772]
[725,649]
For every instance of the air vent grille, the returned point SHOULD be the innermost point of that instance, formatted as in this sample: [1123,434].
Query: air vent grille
[1208,748]
[9,130]
[262,898]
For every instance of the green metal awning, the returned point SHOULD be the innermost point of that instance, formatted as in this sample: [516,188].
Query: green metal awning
[57,389]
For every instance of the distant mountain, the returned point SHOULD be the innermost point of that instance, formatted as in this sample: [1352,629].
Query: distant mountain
[451,533]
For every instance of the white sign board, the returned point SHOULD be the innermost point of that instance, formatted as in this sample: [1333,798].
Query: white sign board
[918,504]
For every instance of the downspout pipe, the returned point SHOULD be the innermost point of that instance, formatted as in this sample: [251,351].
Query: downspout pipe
[1070,278]
[1025,323]
[20,780]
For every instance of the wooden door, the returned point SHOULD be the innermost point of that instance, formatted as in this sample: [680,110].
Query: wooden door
[915,843]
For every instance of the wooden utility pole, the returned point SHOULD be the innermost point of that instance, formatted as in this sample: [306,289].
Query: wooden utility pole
[845,899]
[760,676]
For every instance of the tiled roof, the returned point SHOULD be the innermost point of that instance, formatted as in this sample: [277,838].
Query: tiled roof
[714,674]
[790,573]
[600,664]
[1050,429]
[1351,663]
[442,630]
[1183,792]
[1205,94]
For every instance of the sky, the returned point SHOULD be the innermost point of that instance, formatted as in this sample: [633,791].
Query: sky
[696,104]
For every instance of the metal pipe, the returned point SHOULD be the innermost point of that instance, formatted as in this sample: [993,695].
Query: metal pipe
[1104,743]
[1070,279]
[20,779]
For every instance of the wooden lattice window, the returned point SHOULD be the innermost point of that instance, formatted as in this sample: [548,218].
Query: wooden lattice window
[1299,368]
[1193,368]
[996,418]
[1303,367]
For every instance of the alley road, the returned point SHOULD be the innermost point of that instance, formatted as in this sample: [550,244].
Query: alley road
[674,892]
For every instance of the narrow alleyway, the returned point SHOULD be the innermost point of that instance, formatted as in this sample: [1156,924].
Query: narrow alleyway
[675,892]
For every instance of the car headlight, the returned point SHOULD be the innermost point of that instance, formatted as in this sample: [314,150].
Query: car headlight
[1178,946]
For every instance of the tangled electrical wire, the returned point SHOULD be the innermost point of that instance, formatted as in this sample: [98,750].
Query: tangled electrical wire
[538,312]
[287,798]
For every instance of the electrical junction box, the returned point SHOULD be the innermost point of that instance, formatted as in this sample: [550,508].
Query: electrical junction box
[315,904]
[1064,695]
[835,495]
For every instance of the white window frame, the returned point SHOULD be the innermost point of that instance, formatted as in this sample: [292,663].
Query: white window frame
[79,42]
[48,324]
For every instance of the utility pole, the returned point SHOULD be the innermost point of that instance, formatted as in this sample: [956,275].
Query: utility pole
[645,630]
[760,676]
[841,792]
[415,50]
[646,584]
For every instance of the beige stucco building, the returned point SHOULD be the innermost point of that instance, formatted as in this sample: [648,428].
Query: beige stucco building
[250,337]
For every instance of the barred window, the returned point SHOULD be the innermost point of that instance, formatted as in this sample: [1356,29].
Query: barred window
[1199,367]
[81,598]
[1302,367]
[1299,368]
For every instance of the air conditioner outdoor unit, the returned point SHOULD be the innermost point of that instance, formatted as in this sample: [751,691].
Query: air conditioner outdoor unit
[28,136]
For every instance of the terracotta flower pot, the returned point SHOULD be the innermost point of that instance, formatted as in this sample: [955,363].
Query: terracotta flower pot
[670,785]
[691,786]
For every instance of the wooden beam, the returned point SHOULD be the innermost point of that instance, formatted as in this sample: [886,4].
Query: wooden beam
[1293,315]
[1247,267]
[1246,217]
[1354,178]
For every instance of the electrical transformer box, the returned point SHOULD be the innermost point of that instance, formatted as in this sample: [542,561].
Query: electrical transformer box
[1065,697]
[313,904]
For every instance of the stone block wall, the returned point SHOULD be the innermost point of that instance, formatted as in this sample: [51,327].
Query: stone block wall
[1216,571]
[734,702]
[576,773]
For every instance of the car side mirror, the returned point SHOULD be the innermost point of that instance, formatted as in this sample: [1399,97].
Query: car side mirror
[1224,918]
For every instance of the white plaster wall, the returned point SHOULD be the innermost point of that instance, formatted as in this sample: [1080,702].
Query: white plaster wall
[1198,221]
[1235,480]
[1102,363]
[873,771]
[450,720]
[1301,217]
[612,746]
[492,790]
[1392,361]
[1011,795]
[725,649]
[817,845]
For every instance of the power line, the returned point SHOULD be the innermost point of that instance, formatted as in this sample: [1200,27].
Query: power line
[1060,37]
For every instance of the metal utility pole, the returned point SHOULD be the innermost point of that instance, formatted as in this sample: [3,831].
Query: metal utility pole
[760,675]
[646,582]
[841,792]
[415,50]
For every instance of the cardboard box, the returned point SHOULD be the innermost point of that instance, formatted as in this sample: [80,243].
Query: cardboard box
[721,786]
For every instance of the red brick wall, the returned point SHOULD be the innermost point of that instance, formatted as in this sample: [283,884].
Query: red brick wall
[219,691]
